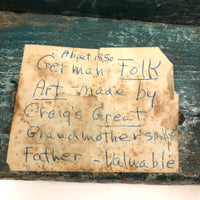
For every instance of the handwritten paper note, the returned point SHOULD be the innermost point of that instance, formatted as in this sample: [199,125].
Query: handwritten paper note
[106,110]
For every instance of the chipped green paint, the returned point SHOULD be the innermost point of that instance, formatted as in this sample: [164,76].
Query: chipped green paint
[181,44]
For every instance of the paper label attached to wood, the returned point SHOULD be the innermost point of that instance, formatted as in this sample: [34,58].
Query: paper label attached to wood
[95,110]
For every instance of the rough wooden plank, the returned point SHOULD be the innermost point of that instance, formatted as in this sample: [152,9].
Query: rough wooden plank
[168,11]
[181,44]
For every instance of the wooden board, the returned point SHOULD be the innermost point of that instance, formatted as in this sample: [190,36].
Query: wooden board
[179,43]
[168,11]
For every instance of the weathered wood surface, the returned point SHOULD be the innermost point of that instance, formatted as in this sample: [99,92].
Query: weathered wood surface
[181,44]
[165,11]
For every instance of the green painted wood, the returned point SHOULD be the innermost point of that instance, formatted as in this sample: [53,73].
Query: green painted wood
[181,44]
[166,11]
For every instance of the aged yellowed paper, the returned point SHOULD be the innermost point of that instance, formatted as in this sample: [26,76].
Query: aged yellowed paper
[95,110]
